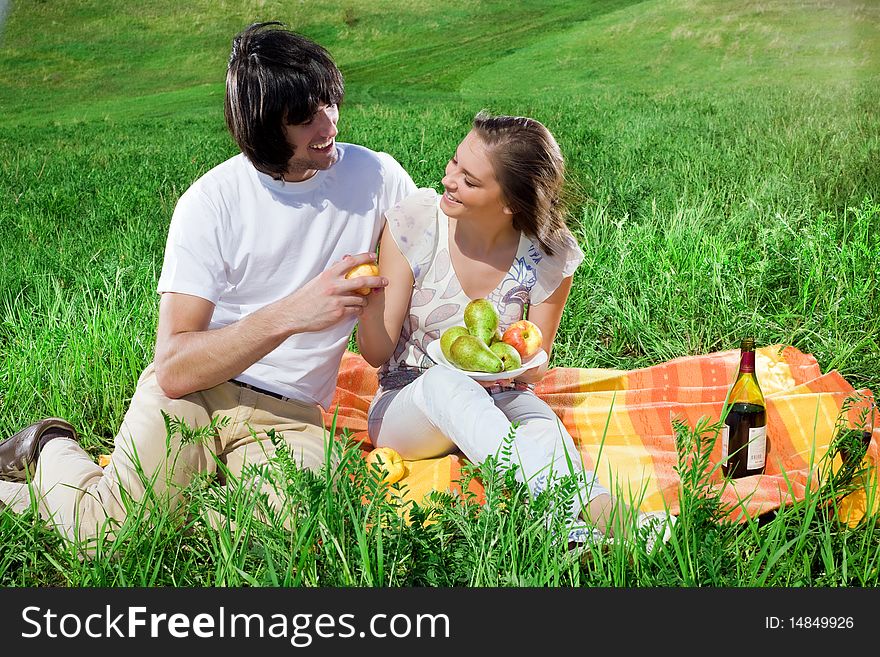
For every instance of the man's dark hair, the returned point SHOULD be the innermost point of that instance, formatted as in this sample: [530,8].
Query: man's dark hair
[275,77]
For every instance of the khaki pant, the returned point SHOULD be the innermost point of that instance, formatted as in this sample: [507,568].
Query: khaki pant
[79,497]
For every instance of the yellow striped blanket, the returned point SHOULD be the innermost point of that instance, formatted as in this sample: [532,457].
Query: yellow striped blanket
[622,423]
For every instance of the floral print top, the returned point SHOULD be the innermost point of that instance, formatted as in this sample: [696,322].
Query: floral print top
[421,232]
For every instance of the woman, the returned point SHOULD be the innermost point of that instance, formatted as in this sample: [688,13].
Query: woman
[497,232]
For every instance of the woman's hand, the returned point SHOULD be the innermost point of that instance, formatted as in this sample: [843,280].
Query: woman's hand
[497,382]
[533,375]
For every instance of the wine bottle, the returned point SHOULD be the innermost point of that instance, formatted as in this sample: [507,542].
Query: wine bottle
[744,434]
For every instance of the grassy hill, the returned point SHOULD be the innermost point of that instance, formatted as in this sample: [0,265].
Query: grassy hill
[76,54]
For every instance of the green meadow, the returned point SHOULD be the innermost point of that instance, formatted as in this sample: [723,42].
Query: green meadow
[724,166]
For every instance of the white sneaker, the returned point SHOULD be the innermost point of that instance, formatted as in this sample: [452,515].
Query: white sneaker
[655,525]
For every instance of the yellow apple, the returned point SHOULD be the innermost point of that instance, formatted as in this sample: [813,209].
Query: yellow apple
[366,269]
[525,337]
[390,463]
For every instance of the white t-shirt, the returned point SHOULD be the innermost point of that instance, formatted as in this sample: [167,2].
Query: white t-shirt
[241,240]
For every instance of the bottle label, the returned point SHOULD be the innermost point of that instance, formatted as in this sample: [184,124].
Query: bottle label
[757,452]
[725,443]
[747,361]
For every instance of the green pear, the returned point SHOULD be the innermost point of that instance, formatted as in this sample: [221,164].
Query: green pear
[448,337]
[470,353]
[508,354]
[498,337]
[481,319]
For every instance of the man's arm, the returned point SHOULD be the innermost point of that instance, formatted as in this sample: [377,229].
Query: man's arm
[191,357]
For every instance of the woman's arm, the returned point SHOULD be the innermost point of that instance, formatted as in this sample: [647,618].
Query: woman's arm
[379,326]
[546,316]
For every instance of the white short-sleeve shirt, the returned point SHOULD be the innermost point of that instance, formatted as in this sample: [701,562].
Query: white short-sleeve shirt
[242,240]
[421,232]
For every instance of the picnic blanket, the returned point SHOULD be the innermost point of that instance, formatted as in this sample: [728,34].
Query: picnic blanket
[622,424]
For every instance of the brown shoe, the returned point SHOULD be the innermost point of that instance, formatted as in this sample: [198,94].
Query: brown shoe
[18,454]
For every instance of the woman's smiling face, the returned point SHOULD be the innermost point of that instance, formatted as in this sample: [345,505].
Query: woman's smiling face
[471,190]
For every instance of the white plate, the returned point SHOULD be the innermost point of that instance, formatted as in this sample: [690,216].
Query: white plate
[436,354]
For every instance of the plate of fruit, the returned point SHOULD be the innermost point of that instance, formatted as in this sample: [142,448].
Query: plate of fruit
[482,351]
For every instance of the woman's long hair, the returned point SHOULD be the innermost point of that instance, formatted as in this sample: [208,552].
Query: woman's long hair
[531,173]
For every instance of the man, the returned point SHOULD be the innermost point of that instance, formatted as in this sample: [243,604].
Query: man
[255,312]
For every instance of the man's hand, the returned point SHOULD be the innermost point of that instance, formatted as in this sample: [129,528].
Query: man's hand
[330,298]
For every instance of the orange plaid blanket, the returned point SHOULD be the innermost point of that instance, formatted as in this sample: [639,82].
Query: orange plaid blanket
[622,423]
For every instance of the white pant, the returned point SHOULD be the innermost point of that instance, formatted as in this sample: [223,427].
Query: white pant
[443,410]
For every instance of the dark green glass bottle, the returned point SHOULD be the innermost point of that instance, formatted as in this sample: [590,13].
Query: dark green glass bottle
[744,434]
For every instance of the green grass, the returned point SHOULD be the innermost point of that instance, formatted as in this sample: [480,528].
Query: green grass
[664,48]
[725,156]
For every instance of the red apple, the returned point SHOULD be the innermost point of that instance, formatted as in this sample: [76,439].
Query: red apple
[525,337]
